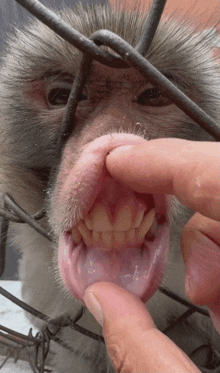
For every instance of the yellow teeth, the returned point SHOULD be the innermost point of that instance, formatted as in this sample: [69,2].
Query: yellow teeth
[100,221]
[88,222]
[99,218]
[107,239]
[97,228]
[131,235]
[138,218]
[119,239]
[146,224]
[123,219]
[76,235]
[85,232]
[154,227]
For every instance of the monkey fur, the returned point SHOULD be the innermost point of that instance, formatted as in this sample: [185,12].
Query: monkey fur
[36,75]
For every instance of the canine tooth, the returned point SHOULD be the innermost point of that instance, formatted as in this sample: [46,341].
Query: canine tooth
[138,219]
[146,224]
[131,235]
[96,236]
[86,234]
[99,218]
[107,239]
[123,219]
[76,236]
[88,222]
[120,238]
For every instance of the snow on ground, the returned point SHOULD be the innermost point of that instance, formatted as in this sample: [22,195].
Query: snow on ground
[13,317]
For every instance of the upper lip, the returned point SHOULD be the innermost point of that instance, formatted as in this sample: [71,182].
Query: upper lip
[84,181]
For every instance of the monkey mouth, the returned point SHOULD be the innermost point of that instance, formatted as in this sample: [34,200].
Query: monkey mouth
[123,242]
[122,236]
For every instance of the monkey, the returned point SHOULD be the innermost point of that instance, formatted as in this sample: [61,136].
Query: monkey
[101,229]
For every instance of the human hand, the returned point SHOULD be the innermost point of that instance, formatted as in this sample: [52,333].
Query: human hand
[189,170]
[133,342]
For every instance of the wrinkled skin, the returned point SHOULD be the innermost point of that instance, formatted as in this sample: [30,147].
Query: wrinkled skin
[118,106]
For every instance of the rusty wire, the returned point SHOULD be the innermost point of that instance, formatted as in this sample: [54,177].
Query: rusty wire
[35,349]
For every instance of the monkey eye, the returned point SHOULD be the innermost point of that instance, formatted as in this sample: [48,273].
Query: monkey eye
[153,97]
[59,96]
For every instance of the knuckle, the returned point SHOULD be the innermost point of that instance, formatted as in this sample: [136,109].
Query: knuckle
[197,190]
[119,355]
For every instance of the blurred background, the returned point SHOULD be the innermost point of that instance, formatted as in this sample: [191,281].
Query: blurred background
[12,14]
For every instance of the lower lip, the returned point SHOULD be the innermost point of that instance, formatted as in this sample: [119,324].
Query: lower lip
[80,267]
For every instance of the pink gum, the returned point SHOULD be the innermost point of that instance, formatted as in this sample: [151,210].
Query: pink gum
[89,172]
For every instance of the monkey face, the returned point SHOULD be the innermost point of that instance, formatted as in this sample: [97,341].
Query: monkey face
[107,232]
[104,230]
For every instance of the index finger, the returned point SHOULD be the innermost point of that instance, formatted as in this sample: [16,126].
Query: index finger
[190,170]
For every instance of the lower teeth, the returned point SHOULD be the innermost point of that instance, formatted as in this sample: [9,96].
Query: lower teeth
[117,239]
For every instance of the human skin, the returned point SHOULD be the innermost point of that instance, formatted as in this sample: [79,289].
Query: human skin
[193,176]
[205,14]
[133,342]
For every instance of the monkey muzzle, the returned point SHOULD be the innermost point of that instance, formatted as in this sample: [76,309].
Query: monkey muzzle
[122,236]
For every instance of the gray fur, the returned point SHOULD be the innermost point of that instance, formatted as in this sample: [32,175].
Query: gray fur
[27,149]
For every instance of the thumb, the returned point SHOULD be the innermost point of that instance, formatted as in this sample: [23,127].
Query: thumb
[133,342]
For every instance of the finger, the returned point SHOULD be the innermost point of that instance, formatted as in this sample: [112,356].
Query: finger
[201,252]
[188,169]
[133,342]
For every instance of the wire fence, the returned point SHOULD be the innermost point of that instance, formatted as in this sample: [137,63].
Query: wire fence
[36,349]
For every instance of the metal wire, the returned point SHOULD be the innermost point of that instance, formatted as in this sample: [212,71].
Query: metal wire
[151,26]
[35,349]
[129,57]
[69,34]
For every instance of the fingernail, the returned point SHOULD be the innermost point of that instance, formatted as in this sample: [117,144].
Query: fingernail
[93,306]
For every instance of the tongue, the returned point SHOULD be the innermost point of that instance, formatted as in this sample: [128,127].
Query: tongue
[140,271]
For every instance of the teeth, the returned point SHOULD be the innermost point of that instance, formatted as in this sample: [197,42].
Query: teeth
[120,239]
[131,235]
[99,218]
[97,228]
[85,232]
[76,236]
[96,236]
[123,219]
[138,219]
[88,222]
[107,238]
[153,227]
[146,224]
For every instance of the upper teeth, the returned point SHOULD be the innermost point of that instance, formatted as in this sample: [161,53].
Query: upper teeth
[101,220]
[98,228]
